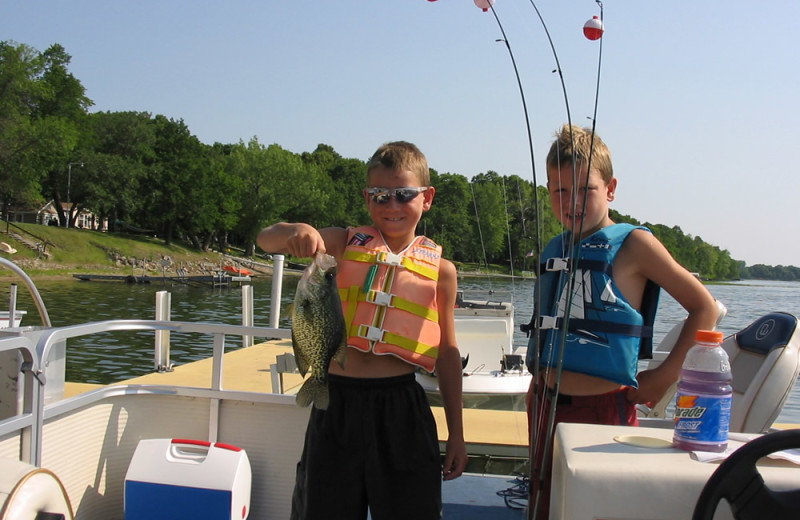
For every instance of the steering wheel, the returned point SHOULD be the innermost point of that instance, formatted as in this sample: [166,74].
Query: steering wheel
[738,481]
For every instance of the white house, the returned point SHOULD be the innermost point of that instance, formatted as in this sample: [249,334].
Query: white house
[47,214]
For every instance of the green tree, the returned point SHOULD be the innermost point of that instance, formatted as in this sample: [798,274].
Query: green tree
[172,178]
[277,185]
[215,198]
[115,147]
[18,159]
[62,112]
[449,221]
[489,218]
[41,108]
[346,207]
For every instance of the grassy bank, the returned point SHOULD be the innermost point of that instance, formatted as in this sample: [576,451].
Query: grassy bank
[70,251]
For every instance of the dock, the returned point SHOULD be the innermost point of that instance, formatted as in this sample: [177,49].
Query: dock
[211,280]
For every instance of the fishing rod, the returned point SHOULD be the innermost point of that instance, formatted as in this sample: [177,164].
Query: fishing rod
[593,32]
[537,475]
[508,233]
[537,288]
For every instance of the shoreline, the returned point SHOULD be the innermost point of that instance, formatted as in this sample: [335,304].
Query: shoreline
[38,270]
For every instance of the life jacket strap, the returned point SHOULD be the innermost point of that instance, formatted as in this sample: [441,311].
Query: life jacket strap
[392,259]
[382,336]
[387,258]
[351,297]
[354,294]
[380,298]
[411,345]
[564,264]
[557,264]
[370,333]
[576,324]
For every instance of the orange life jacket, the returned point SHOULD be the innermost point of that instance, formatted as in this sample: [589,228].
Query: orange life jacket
[389,299]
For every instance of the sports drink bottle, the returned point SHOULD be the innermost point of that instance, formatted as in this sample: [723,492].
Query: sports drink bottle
[703,401]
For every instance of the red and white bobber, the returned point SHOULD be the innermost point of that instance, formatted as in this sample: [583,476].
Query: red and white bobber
[593,29]
[484,5]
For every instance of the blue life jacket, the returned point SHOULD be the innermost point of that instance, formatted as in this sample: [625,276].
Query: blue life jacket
[606,335]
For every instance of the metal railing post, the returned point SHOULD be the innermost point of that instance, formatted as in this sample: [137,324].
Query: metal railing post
[277,284]
[163,311]
[247,312]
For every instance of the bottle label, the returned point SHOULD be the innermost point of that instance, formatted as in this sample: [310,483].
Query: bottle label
[702,418]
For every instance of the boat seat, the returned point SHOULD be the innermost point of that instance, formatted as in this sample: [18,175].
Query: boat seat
[765,362]
[660,353]
[31,493]
[484,341]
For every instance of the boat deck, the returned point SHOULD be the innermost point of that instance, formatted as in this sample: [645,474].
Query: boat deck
[487,432]
[496,439]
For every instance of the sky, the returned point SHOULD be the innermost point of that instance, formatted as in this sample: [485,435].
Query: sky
[696,100]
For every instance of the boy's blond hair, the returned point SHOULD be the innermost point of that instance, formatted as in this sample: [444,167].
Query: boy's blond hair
[401,155]
[574,148]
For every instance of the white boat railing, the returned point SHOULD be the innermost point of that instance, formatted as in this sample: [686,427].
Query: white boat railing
[37,299]
[29,423]
[161,352]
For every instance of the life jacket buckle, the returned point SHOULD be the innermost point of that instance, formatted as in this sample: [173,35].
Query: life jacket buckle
[387,258]
[381,298]
[558,264]
[549,322]
[370,333]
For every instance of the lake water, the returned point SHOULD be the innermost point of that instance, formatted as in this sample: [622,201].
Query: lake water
[116,356]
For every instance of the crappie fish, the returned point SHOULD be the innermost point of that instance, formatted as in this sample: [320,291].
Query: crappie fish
[318,329]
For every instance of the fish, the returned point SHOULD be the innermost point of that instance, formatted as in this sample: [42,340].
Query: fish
[318,329]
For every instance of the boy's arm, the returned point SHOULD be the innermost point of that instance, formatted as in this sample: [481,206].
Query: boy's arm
[302,240]
[448,371]
[655,263]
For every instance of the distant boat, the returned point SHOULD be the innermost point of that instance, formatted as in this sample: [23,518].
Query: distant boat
[494,371]
[241,271]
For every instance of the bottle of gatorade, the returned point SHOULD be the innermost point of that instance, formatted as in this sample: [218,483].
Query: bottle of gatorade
[703,402]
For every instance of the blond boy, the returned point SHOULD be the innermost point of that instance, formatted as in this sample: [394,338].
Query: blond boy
[376,446]
[618,268]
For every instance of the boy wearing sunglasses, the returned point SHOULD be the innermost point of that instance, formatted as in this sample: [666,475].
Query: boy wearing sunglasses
[376,446]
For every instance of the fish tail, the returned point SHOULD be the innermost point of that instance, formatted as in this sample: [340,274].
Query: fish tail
[316,391]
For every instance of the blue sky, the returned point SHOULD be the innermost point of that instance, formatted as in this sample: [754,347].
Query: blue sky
[697,100]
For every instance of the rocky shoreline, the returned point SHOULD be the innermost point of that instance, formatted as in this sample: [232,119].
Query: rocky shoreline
[43,269]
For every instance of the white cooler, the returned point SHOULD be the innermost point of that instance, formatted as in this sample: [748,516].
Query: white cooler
[175,479]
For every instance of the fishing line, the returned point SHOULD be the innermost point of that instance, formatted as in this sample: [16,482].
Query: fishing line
[505,40]
[508,234]
[537,289]
[480,235]
[538,479]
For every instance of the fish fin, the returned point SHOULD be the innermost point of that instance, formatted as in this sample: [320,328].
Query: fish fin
[341,355]
[323,398]
[316,391]
[299,359]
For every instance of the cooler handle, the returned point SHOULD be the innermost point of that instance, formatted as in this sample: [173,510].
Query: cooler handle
[188,451]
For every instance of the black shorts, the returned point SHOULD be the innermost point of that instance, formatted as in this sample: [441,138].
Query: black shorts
[375,446]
